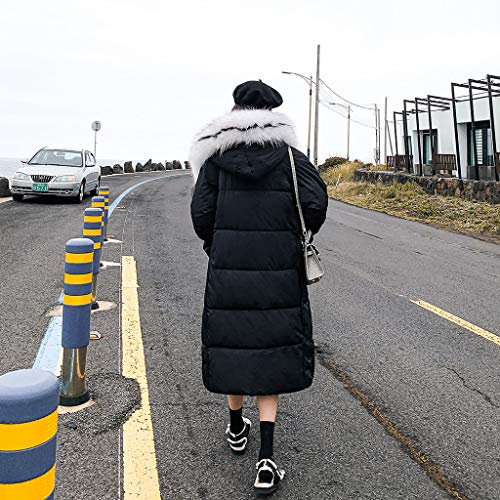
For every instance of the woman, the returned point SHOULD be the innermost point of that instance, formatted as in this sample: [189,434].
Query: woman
[256,325]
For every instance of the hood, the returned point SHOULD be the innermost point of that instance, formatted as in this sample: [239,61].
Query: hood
[55,170]
[252,162]
[248,127]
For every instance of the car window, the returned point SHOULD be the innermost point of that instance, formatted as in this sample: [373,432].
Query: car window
[61,157]
[90,159]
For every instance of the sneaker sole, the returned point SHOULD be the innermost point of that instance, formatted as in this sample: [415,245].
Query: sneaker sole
[264,492]
[239,452]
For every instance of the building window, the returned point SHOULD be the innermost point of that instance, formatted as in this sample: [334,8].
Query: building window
[482,131]
[427,159]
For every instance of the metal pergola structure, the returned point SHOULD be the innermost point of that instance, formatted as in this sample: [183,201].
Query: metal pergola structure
[489,87]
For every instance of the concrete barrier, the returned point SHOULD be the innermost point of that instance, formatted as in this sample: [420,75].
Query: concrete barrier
[28,433]
[76,320]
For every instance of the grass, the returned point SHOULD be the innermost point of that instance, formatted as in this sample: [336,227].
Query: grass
[409,201]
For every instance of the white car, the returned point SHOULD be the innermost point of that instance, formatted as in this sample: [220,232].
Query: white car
[59,172]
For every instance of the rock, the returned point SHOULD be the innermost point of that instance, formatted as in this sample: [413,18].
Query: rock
[147,165]
[117,169]
[128,168]
[4,187]
[107,170]
[187,165]
[169,165]
[139,167]
[153,167]
[160,166]
[177,165]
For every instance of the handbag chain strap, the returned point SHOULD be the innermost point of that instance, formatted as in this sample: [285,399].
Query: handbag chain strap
[297,199]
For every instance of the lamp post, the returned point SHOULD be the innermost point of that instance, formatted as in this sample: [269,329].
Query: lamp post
[348,109]
[310,82]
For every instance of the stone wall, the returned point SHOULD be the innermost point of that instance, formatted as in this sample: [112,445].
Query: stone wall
[488,191]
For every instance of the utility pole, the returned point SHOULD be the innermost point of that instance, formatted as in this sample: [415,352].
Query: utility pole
[316,110]
[376,135]
[310,118]
[386,130]
[379,136]
[348,129]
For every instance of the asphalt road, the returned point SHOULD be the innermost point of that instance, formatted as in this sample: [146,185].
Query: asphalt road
[405,404]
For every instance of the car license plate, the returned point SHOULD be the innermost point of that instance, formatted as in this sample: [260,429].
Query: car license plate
[40,187]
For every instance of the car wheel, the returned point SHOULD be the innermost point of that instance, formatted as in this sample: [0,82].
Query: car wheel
[79,197]
[17,197]
[95,191]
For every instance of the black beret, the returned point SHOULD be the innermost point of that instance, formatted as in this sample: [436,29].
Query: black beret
[256,94]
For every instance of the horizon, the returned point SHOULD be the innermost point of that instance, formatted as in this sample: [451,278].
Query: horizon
[155,74]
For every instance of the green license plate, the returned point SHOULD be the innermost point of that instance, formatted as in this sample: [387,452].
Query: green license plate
[40,187]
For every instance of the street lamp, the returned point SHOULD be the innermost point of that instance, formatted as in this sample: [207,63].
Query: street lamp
[310,82]
[348,109]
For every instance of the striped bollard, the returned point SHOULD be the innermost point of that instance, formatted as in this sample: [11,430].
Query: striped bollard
[28,431]
[104,191]
[92,229]
[76,320]
[100,202]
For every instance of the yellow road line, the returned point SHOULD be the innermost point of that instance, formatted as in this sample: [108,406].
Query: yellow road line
[140,474]
[459,321]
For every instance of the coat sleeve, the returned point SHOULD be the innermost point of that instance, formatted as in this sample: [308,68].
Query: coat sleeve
[204,204]
[312,192]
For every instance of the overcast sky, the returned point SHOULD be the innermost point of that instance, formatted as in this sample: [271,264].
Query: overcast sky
[155,71]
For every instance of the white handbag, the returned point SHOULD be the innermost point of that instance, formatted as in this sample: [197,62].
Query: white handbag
[312,262]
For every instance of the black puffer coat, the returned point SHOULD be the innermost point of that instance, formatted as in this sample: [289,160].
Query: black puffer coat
[256,326]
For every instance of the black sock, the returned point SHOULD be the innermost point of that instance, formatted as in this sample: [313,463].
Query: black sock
[266,440]
[236,420]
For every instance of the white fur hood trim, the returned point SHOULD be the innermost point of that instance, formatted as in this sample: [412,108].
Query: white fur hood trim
[249,126]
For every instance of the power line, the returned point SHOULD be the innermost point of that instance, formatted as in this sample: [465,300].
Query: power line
[344,99]
[327,105]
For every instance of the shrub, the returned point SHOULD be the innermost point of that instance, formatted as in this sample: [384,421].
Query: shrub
[334,161]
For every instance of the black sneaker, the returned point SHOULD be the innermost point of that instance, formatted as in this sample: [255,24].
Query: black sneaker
[238,442]
[268,477]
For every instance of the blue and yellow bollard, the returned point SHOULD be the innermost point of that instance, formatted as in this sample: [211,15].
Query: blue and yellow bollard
[104,191]
[76,320]
[28,431]
[92,229]
[100,202]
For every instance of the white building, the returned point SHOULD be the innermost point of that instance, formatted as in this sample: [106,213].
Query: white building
[443,131]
